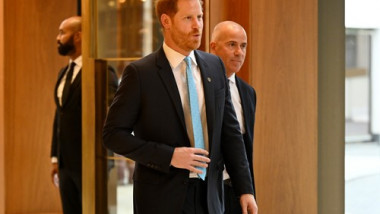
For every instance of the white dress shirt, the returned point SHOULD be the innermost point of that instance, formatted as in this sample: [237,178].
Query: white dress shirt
[78,66]
[236,101]
[178,65]
[235,97]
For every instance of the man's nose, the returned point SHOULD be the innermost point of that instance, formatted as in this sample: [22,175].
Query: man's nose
[197,23]
[239,50]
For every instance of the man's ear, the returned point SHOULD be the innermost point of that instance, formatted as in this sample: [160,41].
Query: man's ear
[78,36]
[165,21]
[212,47]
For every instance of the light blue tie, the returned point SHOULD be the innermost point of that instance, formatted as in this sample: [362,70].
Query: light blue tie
[194,110]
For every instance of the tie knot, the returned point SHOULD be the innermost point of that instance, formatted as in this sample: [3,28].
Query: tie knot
[188,61]
[72,65]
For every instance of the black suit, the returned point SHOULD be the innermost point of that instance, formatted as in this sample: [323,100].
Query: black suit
[248,104]
[67,144]
[148,103]
[67,140]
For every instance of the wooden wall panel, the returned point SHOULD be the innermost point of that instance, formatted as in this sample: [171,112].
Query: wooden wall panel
[30,72]
[2,129]
[285,74]
[88,116]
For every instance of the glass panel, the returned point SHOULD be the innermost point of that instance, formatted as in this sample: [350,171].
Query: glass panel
[120,169]
[358,54]
[126,31]
[362,159]
[120,185]
[127,28]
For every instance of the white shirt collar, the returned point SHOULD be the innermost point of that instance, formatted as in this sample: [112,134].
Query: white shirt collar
[232,78]
[78,61]
[176,58]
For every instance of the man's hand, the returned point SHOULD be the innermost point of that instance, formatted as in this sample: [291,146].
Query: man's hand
[190,158]
[248,204]
[54,171]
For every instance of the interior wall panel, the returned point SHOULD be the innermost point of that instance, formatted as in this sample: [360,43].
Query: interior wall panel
[2,129]
[31,66]
[285,75]
[281,64]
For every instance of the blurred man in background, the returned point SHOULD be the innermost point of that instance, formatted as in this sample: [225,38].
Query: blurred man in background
[229,42]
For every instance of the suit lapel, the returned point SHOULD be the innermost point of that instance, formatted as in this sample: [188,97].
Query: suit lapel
[244,99]
[60,76]
[208,89]
[167,77]
[74,85]
[76,82]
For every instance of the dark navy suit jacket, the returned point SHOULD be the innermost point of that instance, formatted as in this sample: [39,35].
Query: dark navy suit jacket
[67,128]
[148,104]
[248,104]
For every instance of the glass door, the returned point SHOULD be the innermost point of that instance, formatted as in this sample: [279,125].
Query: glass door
[362,151]
[125,32]
[115,33]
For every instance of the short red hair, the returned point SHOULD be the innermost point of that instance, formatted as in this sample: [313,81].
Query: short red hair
[168,7]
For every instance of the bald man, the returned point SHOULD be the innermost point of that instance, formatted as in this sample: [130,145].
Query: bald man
[66,149]
[229,42]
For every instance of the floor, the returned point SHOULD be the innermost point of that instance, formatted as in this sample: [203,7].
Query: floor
[125,199]
[362,178]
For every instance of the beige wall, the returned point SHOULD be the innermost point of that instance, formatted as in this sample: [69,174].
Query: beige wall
[28,73]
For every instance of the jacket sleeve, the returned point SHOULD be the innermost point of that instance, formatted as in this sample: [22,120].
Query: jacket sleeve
[122,117]
[234,151]
[54,141]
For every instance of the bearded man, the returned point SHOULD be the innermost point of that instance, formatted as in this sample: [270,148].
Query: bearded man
[66,149]
[173,115]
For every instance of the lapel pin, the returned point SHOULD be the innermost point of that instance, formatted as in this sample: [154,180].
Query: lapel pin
[208,79]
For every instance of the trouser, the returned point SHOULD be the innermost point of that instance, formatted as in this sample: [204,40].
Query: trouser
[231,201]
[70,188]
